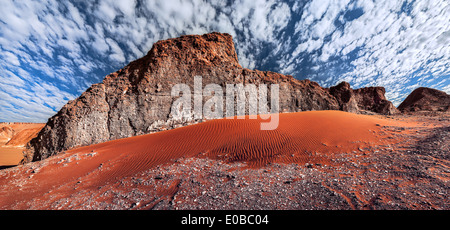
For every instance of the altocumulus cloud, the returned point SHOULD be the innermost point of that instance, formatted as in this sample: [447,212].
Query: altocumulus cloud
[51,51]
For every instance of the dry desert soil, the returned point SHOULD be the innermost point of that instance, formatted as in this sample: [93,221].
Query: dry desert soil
[13,139]
[313,160]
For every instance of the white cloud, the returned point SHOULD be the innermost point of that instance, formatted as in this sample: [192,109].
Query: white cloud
[394,47]
[9,78]
[263,19]
[11,58]
[446,89]
[66,42]
[106,11]
[127,7]
[116,52]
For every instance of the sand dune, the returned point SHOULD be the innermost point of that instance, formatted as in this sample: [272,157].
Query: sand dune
[300,138]
[305,137]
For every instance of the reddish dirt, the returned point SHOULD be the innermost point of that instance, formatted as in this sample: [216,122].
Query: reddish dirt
[314,160]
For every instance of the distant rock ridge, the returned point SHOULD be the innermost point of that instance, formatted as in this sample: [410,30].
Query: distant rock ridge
[137,99]
[426,99]
[369,99]
[18,134]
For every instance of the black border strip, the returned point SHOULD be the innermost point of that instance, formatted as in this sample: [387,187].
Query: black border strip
[167,219]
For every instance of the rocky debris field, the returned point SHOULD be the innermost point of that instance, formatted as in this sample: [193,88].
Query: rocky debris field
[412,174]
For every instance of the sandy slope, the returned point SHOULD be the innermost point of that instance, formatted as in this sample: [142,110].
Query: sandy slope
[305,137]
[13,138]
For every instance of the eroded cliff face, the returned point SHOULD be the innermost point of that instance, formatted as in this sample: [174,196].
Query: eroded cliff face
[426,99]
[363,100]
[137,99]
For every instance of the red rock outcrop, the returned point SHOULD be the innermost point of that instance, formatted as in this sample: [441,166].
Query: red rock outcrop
[137,99]
[363,100]
[426,99]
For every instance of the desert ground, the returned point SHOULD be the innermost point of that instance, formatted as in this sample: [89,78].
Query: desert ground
[13,139]
[314,160]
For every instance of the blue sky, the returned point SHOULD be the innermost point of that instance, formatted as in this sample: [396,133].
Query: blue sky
[51,51]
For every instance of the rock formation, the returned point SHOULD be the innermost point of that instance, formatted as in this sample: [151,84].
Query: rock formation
[426,99]
[137,99]
[6,133]
[18,134]
[364,100]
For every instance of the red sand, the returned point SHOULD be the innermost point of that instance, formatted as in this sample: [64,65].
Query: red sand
[300,138]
